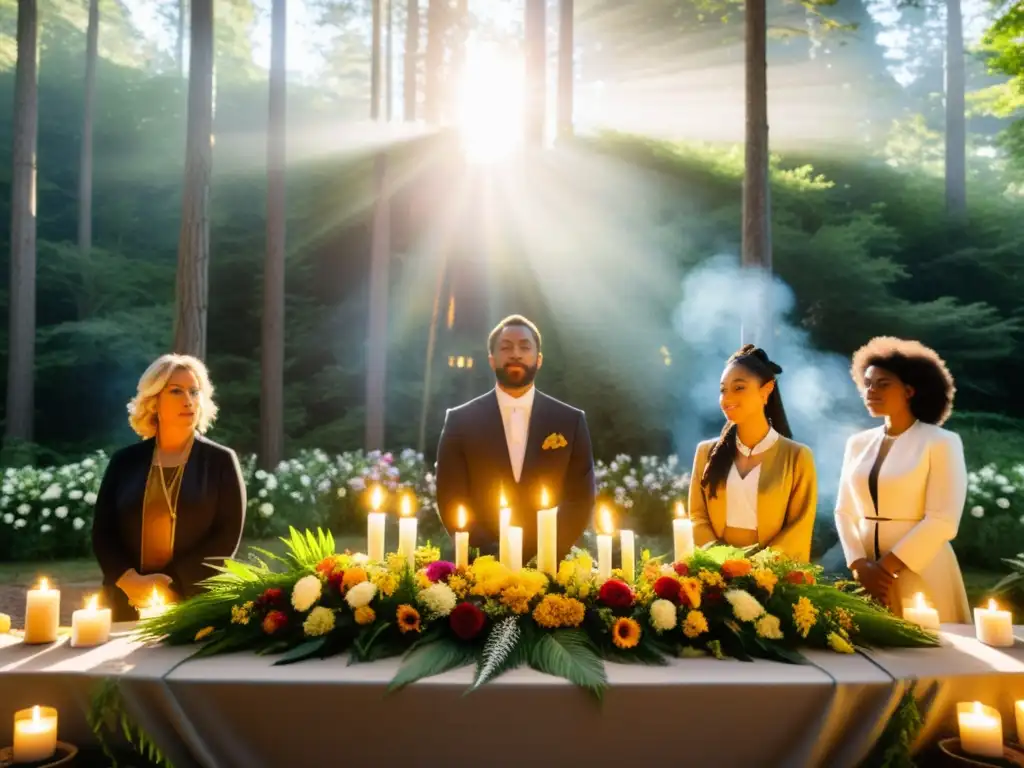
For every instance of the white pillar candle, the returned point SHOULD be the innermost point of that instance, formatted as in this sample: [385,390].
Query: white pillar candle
[375,525]
[35,734]
[42,614]
[462,541]
[604,544]
[504,522]
[626,545]
[682,533]
[1018,710]
[515,548]
[155,607]
[993,626]
[90,625]
[407,533]
[981,729]
[547,536]
[919,612]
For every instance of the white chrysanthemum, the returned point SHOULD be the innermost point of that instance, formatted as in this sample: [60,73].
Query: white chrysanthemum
[271,483]
[663,615]
[438,599]
[360,558]
[306,592]
[45,528]
[744,605]
[978,511]
[361,594]
[90,498]
[341,492]
[75,495]
[61,512]
[20,523]
[46,512]
[78,523]
[52,493]
[768,627]
[1003,503]
[266,509]
[8,518]
[24,509]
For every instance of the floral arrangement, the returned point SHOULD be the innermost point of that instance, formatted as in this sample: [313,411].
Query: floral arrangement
[992,525]
[720,601]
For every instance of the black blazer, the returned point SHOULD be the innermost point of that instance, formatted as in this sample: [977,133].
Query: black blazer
[473,469]
[211,515]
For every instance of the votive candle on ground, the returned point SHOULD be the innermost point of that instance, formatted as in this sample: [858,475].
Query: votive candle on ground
[504,522]
[376,523]
[407,533]
[515,548]
[627,543]
[922,614]
[682,534]
[90,626]
[993,626]
[981,729]
[462,541]
[35,734]
[547,537]
[604,545]
[42,614]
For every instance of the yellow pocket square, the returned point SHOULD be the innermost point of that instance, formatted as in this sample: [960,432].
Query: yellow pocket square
[553,441]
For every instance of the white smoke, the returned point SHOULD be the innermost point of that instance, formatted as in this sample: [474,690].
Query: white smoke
[821,401]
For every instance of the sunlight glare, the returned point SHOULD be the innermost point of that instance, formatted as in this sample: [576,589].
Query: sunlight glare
[490,107]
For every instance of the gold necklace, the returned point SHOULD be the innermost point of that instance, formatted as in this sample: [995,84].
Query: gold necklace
[173,493]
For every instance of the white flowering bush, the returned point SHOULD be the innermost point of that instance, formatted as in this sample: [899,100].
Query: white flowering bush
[992,526]
[643,490]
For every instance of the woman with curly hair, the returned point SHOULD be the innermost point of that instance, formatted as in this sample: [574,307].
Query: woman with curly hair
[170,503]
[904,484]
[756,485]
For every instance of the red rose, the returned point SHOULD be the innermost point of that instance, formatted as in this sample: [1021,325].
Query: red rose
[466,621]
[682,569]
[616,594]
[274,621]
[668,588]
[271,597]
[336,578]
[800,577]
[712,596]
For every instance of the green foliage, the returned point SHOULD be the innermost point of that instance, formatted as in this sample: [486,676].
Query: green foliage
[501,652]
[895,747]
[108,717]
[432,659]
[569,654]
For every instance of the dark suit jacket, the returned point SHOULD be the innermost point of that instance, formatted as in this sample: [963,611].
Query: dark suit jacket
[473,469]
[211,514]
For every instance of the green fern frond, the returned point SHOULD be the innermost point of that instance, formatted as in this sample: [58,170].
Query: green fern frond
[498,650]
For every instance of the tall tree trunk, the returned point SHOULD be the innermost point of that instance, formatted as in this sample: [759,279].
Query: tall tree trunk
[377,325]
[428,368]
[272,359]
[956,124]
[389,61]
[757,247]
[85,161]
[461,22]
[566,45]
[536,72]
[412,52]
[432,97]
[180,43]
[375,59]
[194,239]
[22,325]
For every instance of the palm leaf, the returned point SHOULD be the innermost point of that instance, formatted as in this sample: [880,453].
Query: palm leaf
[432,659]
[569,654]
[269,555]
[302,651]
[499,654]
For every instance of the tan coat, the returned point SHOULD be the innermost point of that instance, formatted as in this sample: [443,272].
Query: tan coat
[786,502]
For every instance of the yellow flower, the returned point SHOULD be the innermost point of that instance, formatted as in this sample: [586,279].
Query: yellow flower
[559,611]
[459,585]
[319,622]
[652,571]
[711,578]
[838,643]
[695,624]
[768,627]
[578,569]
[422,582]
[534,582]
[240,613]
[396,562]
[625,633]
[386,582]
[516,598]
[805,615]
[353,576]
[204,632]
[765,579]
[364,615]
[5,623]
[691,590]
[845,620]
[408,619]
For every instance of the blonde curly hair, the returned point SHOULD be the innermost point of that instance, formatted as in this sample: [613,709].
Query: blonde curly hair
[142,407]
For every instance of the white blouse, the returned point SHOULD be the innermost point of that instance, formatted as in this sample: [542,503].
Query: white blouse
[741,492]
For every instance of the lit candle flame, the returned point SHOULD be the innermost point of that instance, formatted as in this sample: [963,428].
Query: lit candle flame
[406,506]
[992,607]
[376,498]
[606,520]
[504,501]
[93,603]
[544,498]
[462,517]
[36,715]
[44,585]
[156,600]
[977,708]
[680,509]
[919,601]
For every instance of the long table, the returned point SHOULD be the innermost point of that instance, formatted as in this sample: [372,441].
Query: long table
[240,710]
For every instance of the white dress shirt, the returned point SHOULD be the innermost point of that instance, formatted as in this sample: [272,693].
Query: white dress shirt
[515,415]
[741,492]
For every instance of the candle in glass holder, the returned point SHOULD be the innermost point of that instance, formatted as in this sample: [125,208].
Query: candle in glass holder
[547,536]
[407,533]
[981,729]
[375,523]
[155,607]
[919,612]
[504,522]
[35,734]
[462,541]
[682,533]
[627,542]
[604,545]
[90,625]
[993,626]
[42,614]
[515,548]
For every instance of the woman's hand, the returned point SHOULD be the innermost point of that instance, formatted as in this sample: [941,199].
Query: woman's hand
[138,588]
[877,581]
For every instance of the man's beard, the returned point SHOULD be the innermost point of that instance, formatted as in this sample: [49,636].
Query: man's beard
[519,376]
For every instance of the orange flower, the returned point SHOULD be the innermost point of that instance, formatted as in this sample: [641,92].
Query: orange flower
[364,615]
[354,576]
[625,633]
[274,621]
[408,619]
[800,577]
[734,569]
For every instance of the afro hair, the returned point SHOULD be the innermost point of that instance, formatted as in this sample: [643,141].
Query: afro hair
[916,366]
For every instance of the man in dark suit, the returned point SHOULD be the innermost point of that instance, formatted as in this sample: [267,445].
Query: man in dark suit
[515,442]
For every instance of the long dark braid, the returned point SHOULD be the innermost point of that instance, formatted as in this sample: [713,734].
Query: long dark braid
[720,460]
